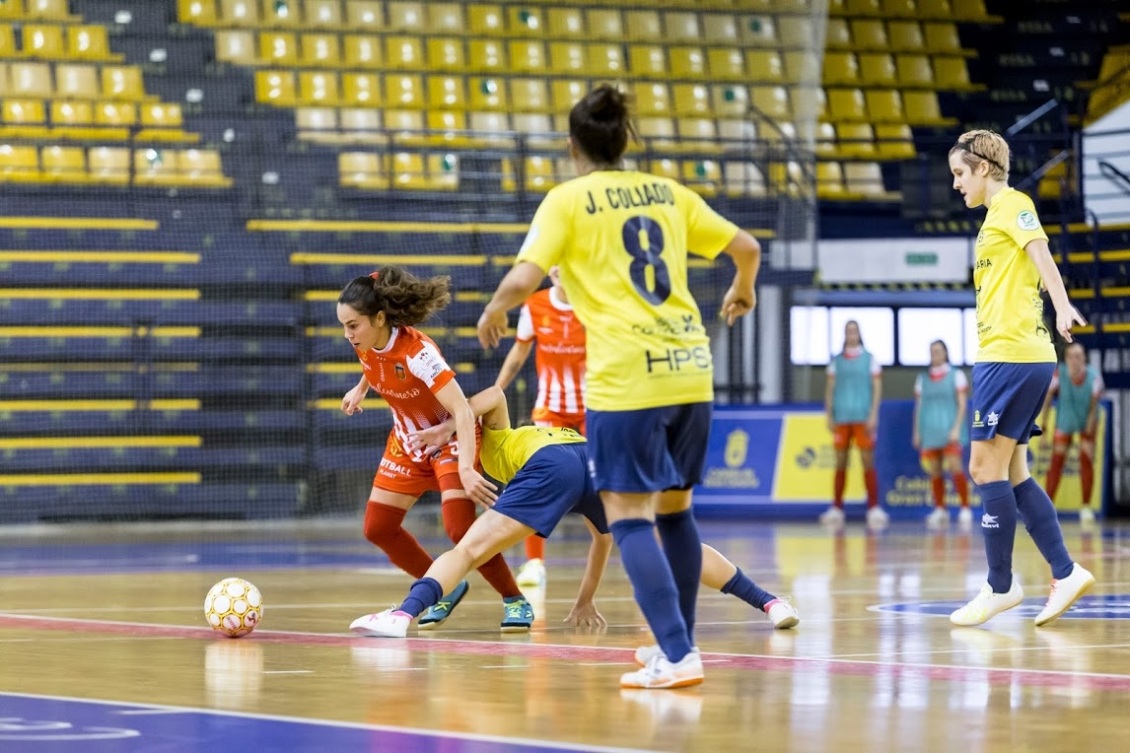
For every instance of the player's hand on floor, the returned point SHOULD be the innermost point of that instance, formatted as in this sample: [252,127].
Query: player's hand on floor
[477,487]
[585,615]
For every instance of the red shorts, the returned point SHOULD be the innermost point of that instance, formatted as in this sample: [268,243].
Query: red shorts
[400,473]
[845,433]
[546,417]
[952,449]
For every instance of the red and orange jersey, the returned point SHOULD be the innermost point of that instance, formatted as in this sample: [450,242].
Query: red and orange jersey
[559,353]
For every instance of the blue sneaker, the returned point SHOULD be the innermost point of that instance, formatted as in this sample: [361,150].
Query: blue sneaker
[442,609]
[517,614]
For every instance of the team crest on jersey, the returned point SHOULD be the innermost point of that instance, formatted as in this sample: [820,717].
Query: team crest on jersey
[400,374]
[1027,221]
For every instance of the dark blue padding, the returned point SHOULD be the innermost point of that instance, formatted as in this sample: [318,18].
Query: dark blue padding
[151,459]
[207,381]
[132,422]
[214,349]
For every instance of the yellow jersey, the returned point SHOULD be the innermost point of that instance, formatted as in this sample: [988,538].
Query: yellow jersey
[1010,312]
[505,451]
[621,239]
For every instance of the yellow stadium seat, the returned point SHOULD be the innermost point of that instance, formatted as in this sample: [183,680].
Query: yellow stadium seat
[894,141]
[55,10]
[485,20]
[758,31]
[405,125]
[865,179]
[692,100]
[161,115]
[540,174]
[841,68]
[970,10]
[122,82]
[108,164]
[915,71]
[772,101]
[867,34]
[837,36]
[361,122]
[846,105]
[681,26]
[404,53]
[30,80]
[567,57]
[765,66]
[825,141]
[446,92]
[855,140]
[43,41]
[323,14]
[281,13]
[720,29]
[486,55]
[743,179]
[24,118]
[18,163]
[197,12]
[736,133]
[885,106]
[446,54]
[443,172]
[320,50]
[863,7]
[604,23]
[361,89]
[202,167]
[236,46]
[664,167]
[942,37]
[87,42]
[76,81]
[445,18]
[657,132]
[361,170]
[731,101]
[525,20]
[652,100]
[404,91]
[702,176]
[537,128]
[491,127]
[528,57]
[603,59]
[648,61]
[935,9]
[488,93]
[794,31]
[115,114]
[278,48]
[446,127]
[565,93]
[727,64]
[7,41]
[643,26]
[408,171]
[906,36]
[406,16]
[63,164]
[900,8]
[801,67]
[364,15]
[952,73]
[922,109]
[71,116]
[275,88]
[877,69]
[699,134]
[239,13]
[529,95]
[829,180]
[155,167]
[564,23]
[311,120]
[688,62]
[362,51]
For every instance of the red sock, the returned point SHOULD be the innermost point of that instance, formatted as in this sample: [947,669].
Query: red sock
[1087,476]
[535,547]
[383,528]
[838,487]
[458,516]
[1054,472]
[871,481]
[938,487]
[961,483]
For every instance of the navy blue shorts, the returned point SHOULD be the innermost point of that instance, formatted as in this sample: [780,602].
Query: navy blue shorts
[552,483]
[1007,399]
[649,450]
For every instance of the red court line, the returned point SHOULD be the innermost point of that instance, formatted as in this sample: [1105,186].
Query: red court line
[609,654]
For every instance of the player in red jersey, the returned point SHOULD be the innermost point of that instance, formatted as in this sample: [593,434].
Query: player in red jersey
[547,320]
[405,367]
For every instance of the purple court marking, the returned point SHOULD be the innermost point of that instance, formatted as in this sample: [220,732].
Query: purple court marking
[609,654]
[36,724]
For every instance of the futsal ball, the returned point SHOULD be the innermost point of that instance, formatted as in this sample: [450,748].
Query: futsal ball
[233,607]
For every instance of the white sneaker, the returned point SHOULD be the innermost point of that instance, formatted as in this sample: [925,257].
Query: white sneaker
[644,653]
[833,516]
[661,673]
[782,614]
[987,605]
[386,624]
[965,519]
[938,519]
[1064,593]
[877,518]
[531,574]
[1086,516]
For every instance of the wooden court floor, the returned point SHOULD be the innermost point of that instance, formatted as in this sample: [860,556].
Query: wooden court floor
[114,615]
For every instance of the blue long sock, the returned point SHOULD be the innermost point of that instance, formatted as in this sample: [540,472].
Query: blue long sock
[653,584]
[999,528]
[681,544]
[1038,513]
[748,591]
[423,594]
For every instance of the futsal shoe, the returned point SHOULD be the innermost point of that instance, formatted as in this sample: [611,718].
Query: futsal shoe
[1086,516]
[532,574]
[661,673]
[387,624]
[833,516]
[517,614]
[782,614]
[437,613]
[1065,592]
[965,519]
[938,519]
[987,605]
[644,654]
[877,518]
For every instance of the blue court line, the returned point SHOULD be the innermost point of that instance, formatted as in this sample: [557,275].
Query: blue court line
[58,724]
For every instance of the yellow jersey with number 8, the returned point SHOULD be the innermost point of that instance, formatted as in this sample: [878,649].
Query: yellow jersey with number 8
[1010,312]
[621,239]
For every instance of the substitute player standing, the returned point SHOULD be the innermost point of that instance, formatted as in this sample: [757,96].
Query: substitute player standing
[1080,388]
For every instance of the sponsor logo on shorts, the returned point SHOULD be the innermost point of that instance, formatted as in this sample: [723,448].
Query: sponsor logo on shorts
[977,422]
[992,418]
[989,521]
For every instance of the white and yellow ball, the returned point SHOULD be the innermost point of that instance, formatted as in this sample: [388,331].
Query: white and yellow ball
[233,607]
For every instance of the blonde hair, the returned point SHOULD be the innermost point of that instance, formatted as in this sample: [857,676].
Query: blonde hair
[980,146]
